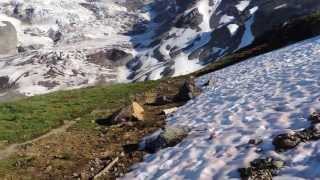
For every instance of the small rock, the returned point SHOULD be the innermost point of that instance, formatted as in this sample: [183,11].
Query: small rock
[162,100]
[138,111]
[286,141]
[48,169]
[311,133]
[84,175]
[168,137]
[207,83]
[278,164]
[105,154]
[314,117]
[75,175]
[173,135]
[130,148]
[159,100]
[150,97]
[255,141]
[127,114]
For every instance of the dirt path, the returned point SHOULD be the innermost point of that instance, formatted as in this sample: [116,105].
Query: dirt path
[13,148]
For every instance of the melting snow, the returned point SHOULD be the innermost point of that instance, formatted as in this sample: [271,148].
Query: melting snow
[254,9]
[281,6]
[258,98]
[243,5]
[226,19]
[233,28]
[205,9]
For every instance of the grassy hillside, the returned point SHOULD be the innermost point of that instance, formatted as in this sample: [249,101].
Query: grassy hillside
[28,118]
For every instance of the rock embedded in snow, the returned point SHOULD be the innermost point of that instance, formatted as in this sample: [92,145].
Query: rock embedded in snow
[310,134]
[315,117]
[261,169]
[286,141]
[255,141]
[168,137]
[291,140]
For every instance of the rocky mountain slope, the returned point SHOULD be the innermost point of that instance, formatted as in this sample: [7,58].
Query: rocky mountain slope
[63,44]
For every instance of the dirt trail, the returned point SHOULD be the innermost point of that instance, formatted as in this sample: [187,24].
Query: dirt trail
[11,149]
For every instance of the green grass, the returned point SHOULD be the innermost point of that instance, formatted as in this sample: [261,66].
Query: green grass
[31,117]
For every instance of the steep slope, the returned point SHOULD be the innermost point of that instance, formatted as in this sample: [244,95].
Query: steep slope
[256,99]
[65,44]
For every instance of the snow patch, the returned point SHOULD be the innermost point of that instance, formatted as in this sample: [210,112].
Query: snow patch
[233,28]
[226,19]
[243,5]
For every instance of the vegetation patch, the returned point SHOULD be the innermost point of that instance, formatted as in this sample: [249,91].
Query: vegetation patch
[29,118]
[84,149]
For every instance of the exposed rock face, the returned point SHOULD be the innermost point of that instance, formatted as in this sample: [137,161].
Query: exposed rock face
[56,36]
[8,38]
[109,57]
[4,82]
[192,20]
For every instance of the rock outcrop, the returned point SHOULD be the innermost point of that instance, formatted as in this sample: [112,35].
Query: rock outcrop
[8,38]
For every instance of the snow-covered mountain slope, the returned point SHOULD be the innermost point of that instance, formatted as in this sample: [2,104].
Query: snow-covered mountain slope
[204,30]
[258,98]
[66,44]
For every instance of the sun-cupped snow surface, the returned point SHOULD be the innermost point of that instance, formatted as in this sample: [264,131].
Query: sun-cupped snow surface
[258,98]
